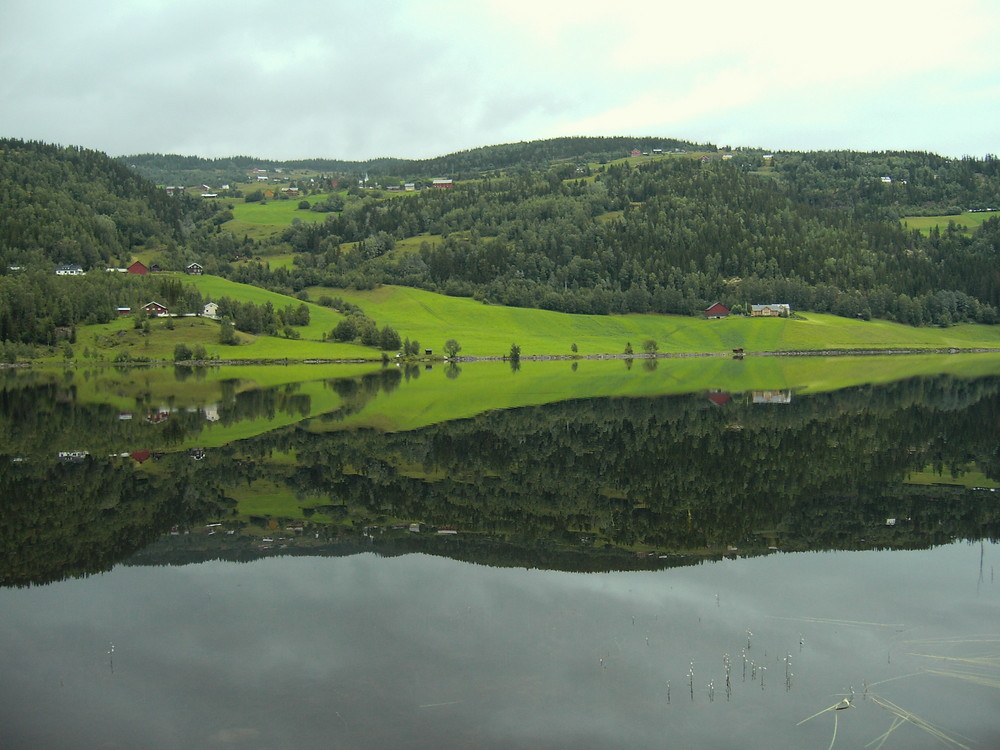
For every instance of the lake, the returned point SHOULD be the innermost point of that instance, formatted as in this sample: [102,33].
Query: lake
[708,553]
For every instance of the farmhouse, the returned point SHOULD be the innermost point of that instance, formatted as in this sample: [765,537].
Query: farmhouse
[778,310]
[772,397]
[443,183]
[211,310]
[718,310]
[138,268]
[69,270]
[194,269]
[154,309]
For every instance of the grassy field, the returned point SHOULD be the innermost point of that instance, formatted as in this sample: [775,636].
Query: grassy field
[264,219]
[321,319]
[489,330]
[966,220]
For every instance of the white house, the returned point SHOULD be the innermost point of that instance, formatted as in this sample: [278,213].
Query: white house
[776,310]
[211,310]
[69,270]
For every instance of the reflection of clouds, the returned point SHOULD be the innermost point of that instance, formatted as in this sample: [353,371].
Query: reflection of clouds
[235,736]
[456,654]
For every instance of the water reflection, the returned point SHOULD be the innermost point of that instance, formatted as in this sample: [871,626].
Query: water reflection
[847,534]
[595,484]
[429,652]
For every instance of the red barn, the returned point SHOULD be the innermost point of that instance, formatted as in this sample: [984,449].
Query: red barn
[138,267]
[718,310]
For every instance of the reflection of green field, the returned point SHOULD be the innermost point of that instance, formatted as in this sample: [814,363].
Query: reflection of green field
[434,397]
[430,396]
[489,330]
[967,478]
[968,221]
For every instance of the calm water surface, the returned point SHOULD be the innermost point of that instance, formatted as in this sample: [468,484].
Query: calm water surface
[714,570]
[421,651]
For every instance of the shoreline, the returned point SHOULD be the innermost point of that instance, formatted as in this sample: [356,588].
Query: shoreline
[891,352]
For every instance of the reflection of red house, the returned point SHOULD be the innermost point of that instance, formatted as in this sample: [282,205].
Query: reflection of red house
[154,309]
[718,310]
[140,456]
[720,398]
[138,267]
[155,417]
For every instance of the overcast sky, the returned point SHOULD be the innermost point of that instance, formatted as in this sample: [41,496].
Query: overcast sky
[422,78]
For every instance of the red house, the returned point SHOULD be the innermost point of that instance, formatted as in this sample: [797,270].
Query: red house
[154,308]
[718,310]
[138,267]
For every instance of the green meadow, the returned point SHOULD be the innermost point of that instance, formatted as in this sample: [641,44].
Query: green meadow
[489,330]
[263,219]
[966,221]
[485,330]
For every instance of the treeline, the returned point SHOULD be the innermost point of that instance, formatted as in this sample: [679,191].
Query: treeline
[472,163]
[36,305]
[69,205]
[264,318]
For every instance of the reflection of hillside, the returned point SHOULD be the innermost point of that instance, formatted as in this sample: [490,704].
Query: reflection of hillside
[586,485]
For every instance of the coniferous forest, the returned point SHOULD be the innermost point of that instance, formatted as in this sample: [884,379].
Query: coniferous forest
[565,224]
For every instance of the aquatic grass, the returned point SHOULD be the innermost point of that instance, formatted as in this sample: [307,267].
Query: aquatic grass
[917,721]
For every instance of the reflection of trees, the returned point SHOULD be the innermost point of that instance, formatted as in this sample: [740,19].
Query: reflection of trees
[680,474]
[683,473]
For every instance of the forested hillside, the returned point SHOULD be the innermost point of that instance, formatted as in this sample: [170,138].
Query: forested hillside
[171,169]
[672,235]
[568,224]
[70,205]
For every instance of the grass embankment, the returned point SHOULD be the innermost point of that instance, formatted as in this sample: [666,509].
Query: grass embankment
[489,330]
[966,221]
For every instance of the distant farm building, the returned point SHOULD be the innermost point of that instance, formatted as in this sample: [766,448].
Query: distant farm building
[194,269]
[718,310]
[138,268]
[770,311]
[772,397]
[69,270]
[123,311]
[211,310]
[154,309]
[443,183]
